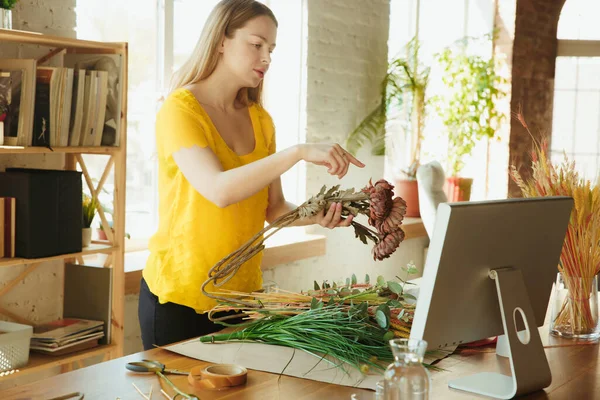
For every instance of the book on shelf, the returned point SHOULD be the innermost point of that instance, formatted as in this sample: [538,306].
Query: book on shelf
[66,335]
[7,226]
[107,75]
[77,104]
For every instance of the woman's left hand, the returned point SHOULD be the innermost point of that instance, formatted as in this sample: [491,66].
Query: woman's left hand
[333,218]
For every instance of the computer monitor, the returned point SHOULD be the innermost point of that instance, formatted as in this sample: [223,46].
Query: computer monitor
[490,267]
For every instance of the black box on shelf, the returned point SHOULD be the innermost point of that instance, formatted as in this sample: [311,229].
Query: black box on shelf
[49,210]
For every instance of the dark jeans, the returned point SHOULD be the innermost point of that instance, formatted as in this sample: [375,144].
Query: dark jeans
[163,324]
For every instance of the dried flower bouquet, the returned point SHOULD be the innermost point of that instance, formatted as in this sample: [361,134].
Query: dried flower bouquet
[580,256]
[385,214]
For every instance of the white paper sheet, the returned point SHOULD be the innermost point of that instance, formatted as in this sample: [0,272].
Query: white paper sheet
[269,358]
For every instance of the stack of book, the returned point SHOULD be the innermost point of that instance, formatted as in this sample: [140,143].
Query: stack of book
[66,336]
[76,104]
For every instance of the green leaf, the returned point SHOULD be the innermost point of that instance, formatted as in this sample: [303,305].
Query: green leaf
[409,296]
[389,335]
[381,281]
[354,281]
[314,304]
[331,292]
[363,308]
[347,281]
[395,287]
[316,286]
[384,308]
[394,303]
[367,279]
[382,319]
[334,285]
[370,129]
[401,314]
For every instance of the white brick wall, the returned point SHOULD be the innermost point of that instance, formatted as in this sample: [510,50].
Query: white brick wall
[51,17]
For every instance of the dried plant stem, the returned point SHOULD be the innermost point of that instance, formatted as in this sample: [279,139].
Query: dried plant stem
[580,256]
[225,269]
[140,392]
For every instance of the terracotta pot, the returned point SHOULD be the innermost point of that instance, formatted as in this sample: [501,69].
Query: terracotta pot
[458,189]
[101,234]
[408,189]
[86,237]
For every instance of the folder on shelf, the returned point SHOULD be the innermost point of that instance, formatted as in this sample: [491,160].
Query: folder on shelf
[88,295]
[48,211]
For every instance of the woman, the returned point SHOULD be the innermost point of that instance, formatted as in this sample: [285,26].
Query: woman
[219,172]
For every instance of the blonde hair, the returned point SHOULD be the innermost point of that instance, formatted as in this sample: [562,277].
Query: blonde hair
[227,17]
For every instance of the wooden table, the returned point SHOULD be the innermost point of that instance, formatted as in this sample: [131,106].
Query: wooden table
[575,375]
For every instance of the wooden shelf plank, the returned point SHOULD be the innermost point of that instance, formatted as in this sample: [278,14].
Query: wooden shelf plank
[72,149]
[92,249]
[39,362]
[25,37]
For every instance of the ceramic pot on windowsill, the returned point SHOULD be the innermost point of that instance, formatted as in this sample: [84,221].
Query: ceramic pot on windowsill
[86,237]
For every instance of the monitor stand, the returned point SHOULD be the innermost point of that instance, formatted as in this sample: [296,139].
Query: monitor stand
[528,363]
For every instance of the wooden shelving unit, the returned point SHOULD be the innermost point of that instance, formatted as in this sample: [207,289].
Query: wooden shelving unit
[92,249]
[73,160]
[65,150]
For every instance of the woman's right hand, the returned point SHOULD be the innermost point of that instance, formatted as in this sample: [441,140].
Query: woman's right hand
[333,156]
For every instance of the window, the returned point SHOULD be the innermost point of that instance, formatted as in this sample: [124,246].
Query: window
[576,115]
[467,18]
[132,21]
[283,91]
[161,34]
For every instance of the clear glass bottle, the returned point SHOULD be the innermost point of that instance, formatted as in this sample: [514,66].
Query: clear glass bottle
[406,378]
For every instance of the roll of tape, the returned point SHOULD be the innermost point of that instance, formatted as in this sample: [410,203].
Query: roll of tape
[217,376]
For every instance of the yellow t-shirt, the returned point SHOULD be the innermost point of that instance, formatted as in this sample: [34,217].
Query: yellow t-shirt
[193,233]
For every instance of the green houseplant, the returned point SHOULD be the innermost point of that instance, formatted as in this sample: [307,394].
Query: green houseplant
[467,108]
[89,209]
[403,101]
[7,4]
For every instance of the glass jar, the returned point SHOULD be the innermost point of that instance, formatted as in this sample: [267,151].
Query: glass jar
[406,378]
[574,308]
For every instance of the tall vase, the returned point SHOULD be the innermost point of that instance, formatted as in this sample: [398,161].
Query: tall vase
[574,311]
[5,18]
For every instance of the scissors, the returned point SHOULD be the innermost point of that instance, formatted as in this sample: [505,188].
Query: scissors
[152,366]
[159,369]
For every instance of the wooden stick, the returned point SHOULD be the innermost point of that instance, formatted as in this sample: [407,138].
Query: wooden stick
[51,54]
[105,174]
[140,392]
[88,179]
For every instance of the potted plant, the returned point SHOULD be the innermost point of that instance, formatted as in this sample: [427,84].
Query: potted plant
[6,14]
[403,101]
[90,206]
[467,108]
[100,231]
